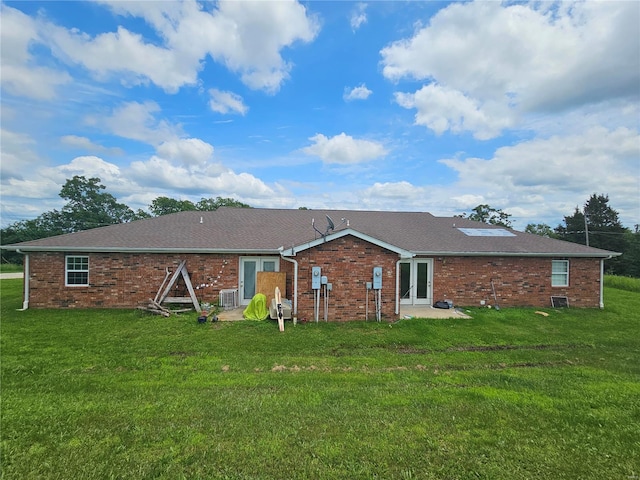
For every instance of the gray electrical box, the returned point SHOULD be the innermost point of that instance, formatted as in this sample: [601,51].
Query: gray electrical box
[315,278]
[377,278]
[323,280]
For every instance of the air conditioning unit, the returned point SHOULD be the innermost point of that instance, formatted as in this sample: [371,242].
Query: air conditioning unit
[228,298]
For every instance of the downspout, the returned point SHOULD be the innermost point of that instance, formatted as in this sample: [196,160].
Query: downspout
[602,280]
[295,286]
[25,303]
[398,286]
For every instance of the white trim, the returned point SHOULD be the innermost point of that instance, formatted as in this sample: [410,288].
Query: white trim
[290,252]
[295,286]
[259,268]
[67,271]
[413,272]
[557,261]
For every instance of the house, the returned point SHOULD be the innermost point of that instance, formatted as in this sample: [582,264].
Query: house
[351,264]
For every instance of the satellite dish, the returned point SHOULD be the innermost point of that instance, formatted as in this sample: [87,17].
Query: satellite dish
[330,224]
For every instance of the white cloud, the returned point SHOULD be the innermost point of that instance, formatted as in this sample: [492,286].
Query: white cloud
[137,121]
[226,102]
[398,191]
[19,159]
[188,151]
[515,59]
[84,143]
[212,179]
[443,109]
[88,165]
[357,93]
[344,149]
[358,16]
[123,53]
[247,37]
[19,74]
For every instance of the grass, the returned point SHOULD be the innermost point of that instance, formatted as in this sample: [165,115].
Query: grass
[10,268]
[508,394]
[623,283]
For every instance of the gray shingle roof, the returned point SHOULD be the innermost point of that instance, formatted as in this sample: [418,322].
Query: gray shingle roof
[253,230]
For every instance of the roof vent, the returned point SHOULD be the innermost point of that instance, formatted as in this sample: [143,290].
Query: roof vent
[200,219]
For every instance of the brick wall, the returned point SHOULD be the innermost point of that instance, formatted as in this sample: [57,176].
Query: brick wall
[348,263]
[128,280]
[518,281]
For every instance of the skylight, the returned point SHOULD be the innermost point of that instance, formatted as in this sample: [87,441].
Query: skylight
[486,232]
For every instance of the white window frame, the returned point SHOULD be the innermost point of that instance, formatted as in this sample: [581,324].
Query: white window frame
[560,278]
[67,270]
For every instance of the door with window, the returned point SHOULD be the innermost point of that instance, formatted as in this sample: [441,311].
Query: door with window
[249,268]
[416,278]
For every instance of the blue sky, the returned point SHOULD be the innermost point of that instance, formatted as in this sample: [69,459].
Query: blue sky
[413,106]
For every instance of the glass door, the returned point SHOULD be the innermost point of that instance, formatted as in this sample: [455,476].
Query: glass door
[415,282]
[249,268]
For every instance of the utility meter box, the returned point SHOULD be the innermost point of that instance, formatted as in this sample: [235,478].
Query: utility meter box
[377,278]
[323,280]
[315,278]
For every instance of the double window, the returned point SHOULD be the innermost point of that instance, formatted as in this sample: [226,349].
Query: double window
[77,270]
[559,273]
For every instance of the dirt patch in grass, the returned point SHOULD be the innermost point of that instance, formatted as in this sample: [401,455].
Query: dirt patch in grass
[408,350]
[494,348]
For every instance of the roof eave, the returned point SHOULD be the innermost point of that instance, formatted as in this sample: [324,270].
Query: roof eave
[520,254]
[256,251]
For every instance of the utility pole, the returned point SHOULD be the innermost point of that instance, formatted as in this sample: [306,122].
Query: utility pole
[586,228]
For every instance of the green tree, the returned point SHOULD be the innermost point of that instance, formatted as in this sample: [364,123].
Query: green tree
[165,205]
[629,264]
[486,214]
[89,207]
[210,204]
[602,229]
[541,229]
[573,229]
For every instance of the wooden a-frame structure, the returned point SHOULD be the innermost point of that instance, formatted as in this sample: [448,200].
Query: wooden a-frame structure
[167,284]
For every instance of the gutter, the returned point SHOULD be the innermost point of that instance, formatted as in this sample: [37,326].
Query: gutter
[26,275]
[255,251]
[604,256]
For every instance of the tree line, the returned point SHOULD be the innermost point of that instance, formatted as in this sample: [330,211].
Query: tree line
[88,205]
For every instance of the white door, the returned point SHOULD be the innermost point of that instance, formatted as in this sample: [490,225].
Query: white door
[416,277]
[249,268]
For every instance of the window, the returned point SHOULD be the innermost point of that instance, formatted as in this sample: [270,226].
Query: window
[559,273]
[77,271]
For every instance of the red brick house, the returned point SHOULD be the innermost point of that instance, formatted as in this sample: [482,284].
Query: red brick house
[370,262]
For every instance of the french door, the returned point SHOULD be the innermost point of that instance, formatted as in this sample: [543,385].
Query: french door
[416,277]
[249,268]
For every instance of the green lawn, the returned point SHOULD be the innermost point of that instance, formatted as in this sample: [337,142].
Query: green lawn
[512,394]
[10,268]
